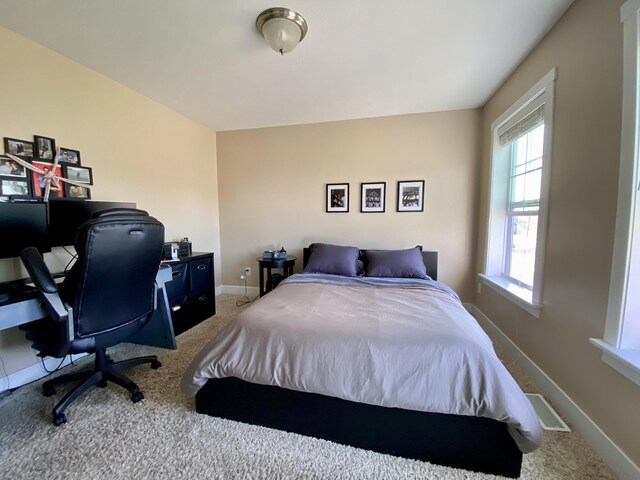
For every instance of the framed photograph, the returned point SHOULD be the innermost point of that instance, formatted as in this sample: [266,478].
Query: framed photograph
[39,180]
[337,197]
[45,147]
[78,174]
[11,168]
[410,196]
[372,197]
[19,148]
[73,191]
[69,156]
[15,187]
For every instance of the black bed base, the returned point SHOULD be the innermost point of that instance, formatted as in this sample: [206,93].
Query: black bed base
[472,443]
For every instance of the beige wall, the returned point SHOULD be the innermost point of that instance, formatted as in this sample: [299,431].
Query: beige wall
[586,45]
[139,150]
[272,188]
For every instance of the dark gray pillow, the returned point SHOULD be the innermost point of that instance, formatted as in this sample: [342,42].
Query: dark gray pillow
[333,259]
[396,263]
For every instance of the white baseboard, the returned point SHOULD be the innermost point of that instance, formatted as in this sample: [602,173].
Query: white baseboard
[239,290]
[35,372]
[619,462]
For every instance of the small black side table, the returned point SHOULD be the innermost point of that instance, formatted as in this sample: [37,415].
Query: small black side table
[286,264]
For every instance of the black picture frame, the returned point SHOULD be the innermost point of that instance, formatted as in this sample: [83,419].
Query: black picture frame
[74,191]
[11,168]
[337,198]
[20,148]
[78,174]
[44,148]
[70,156]
[410,196]
[373,197]
[15,187]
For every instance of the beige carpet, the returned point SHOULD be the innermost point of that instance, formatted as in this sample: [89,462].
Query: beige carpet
[109,437]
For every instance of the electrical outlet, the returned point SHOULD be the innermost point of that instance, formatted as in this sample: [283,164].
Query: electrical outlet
[247,271]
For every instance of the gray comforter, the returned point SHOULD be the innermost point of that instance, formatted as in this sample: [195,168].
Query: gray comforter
[396,343]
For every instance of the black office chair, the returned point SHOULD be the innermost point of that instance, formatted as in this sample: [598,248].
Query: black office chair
[107,296]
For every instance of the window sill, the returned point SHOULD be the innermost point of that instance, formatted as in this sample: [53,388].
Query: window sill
[511,291]
[627,362]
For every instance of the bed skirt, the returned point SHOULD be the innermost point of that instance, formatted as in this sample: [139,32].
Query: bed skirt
[472,443]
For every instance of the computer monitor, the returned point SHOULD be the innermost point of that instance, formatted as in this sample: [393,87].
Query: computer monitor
[22,225]
[66,216]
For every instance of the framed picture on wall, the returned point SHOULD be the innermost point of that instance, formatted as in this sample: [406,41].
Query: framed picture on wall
[15,187]
[69,156]
[410,196]
[74,191]
[372,197]
[78,174]
[19,148]
[337,197]
[40,180]
[45,147]
[11,168]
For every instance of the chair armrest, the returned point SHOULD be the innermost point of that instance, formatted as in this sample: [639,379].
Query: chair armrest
[45,284]
[38,270]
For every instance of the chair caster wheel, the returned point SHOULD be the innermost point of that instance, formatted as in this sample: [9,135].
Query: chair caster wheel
[136,397]
[102,383]
[48,390]
[59,419]
[155,364]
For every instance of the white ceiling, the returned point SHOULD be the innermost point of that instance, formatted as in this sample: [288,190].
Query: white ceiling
[361,58]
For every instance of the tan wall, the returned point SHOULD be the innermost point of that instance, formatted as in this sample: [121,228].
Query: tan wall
[272,188]
[586,45]
[139,150]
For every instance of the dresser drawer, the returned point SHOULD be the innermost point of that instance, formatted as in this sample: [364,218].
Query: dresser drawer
[203,304]
[201,272]
[179,284]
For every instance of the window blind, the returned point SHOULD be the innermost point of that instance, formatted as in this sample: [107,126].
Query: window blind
[529,118]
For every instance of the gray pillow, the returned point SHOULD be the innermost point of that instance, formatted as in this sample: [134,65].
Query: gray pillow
[396,263]
[333,259]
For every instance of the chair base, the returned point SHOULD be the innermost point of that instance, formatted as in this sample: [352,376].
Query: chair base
[105,370]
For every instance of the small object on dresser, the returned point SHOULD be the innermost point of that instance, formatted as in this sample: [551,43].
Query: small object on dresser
[267,255]
[283,253]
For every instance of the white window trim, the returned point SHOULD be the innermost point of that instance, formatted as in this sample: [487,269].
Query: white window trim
[625,361]
[529,300]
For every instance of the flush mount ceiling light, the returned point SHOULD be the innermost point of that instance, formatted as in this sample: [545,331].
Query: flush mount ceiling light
[282,28]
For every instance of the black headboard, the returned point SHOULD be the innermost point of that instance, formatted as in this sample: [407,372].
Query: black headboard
[430,261]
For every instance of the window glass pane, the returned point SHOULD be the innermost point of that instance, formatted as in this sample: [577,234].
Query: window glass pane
[521,151]
[532,185]
[517,189]
[522,254]
[535,143]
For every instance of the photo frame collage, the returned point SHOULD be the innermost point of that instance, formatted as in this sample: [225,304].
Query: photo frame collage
[19,182]
[409,198]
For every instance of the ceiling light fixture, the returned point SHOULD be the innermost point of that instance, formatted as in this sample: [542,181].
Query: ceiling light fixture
[282,28]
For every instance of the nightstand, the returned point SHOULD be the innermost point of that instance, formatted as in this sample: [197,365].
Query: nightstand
[286,264]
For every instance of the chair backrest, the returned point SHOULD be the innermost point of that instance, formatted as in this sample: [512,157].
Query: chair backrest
[112,283]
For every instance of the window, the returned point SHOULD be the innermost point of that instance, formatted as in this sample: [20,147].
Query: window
[621,343]
[520,158]
[524,207]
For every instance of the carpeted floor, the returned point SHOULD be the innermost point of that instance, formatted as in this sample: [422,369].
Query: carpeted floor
[109,437]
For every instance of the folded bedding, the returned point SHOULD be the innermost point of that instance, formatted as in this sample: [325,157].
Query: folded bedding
[400,343]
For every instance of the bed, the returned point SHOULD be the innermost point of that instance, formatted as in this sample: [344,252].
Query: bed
[393,365]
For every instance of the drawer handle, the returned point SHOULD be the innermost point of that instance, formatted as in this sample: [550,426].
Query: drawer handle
[201,267]
[202,298]
[175,308]
[176,274]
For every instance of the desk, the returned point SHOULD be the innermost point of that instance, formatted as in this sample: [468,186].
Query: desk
[157,332]
[286,264]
